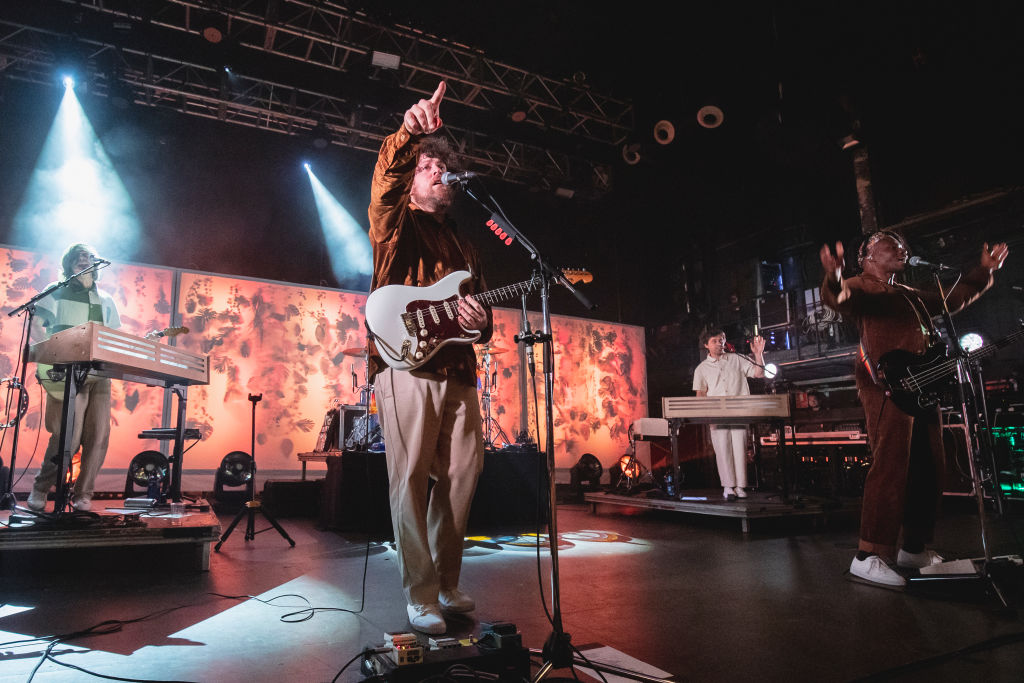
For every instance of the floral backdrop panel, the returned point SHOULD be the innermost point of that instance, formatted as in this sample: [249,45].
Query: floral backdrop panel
[600,388]
[283,342]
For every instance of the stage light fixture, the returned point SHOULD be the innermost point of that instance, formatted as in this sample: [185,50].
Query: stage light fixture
[321,135]
[710,116]
[587,469]
[520,110]
[771,370]
[385,60]
[235,470]
[68,81]
[972,341]
[145,467]
[664,132]
[631,153]
[630,466]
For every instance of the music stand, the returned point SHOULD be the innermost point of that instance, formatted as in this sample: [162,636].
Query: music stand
[252,506]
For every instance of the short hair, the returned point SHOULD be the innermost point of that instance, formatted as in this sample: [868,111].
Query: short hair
[67,261]
[438,147]
[708,334]
[872,239]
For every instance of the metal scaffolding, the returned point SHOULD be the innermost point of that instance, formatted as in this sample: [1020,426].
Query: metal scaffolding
[303,66]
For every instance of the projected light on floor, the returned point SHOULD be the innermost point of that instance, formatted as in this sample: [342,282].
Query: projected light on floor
[75,194]
[347,241]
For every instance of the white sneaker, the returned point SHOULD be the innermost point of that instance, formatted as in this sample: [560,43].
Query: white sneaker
[741,492]
[728,493]
[37,500]
[82,504]
[426,618]
[924,558]
[873,569]
[455,600]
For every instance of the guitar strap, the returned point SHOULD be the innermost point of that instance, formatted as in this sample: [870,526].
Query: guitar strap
[921,311]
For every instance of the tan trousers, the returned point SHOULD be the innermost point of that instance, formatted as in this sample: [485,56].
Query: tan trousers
[432,430]
[91,432]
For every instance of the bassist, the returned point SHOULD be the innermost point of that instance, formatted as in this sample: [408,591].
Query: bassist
[904,485]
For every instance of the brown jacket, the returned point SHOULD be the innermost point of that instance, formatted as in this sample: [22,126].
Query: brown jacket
[897,316]
[415,248]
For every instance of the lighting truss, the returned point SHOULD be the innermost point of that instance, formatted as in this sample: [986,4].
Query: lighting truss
[301,62]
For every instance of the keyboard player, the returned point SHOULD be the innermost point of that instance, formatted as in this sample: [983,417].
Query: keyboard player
[79,301]
[725,374]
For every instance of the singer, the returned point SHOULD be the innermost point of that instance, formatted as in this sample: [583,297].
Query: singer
[725,374]
[77,303]
[904,485]
[430,417]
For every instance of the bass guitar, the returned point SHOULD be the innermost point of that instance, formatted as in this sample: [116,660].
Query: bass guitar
[916,382]
[411,324]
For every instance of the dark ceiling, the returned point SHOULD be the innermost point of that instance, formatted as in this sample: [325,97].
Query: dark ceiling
[933,90]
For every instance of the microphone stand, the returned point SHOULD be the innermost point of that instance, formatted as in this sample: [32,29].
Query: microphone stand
[8,500]
[964,388]
[557,651]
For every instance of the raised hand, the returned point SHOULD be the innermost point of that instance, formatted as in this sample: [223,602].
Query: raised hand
[757,346]
[833,264]
[423,118]
[993,258]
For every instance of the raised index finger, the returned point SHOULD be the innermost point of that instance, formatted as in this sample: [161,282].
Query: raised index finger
[439,93]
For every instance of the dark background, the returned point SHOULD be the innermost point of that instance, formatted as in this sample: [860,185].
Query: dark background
[933,90]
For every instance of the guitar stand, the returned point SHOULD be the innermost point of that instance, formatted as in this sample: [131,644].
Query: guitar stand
[252,506]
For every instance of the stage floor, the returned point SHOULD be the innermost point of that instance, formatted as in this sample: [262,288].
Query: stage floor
[654,590]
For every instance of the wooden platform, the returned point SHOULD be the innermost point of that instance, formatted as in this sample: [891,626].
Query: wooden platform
[135,537]
[710,502]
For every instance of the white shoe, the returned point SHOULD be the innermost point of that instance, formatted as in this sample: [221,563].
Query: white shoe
[37,500]
[426,618]
[873,569]
[82,504]
[455,600]
[741,492]
[924,558]
[728,493]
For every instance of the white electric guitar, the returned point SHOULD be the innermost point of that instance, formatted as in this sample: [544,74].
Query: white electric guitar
[411,324]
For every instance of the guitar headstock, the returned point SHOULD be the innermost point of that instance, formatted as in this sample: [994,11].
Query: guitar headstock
[173,331]
[576,276]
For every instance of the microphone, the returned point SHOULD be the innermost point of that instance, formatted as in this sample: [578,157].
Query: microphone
[96,261]
[450,178]
[918,261]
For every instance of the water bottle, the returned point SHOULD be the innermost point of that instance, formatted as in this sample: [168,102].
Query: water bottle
[153,488]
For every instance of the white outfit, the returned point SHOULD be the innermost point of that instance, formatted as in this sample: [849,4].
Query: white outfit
[727,376]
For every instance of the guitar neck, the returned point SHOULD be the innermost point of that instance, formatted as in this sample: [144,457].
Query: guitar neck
[505,293]
[986,351]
